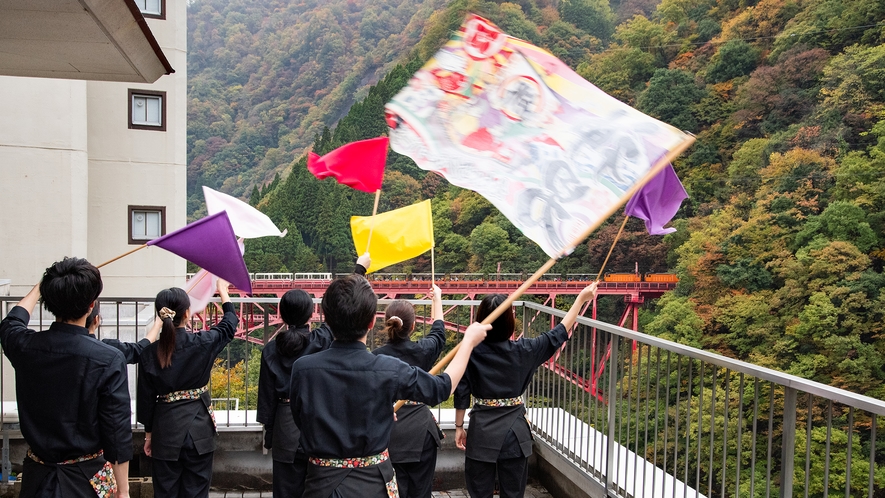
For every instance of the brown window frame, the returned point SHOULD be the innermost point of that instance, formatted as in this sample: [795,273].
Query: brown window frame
[147,93]
[161,15]
[131,209]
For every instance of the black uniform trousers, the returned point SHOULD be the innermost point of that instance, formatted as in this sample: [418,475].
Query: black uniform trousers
[415,479]
[62,481]
[187,477]
[512,468]
[288,478]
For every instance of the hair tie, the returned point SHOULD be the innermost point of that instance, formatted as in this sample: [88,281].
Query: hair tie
[166,313]
[398,319]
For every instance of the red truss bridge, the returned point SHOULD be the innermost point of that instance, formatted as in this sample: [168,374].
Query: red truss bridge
[633,287]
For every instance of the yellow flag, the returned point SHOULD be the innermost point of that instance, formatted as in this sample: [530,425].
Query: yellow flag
[397,235]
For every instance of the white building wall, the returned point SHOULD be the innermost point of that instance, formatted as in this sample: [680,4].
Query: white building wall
[43,176]
[134,167]
[70,167]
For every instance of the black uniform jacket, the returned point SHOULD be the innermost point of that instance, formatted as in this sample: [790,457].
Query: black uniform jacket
[192,360]
[72,390]
[281,433]
[131,350]
[407,438]
[342,399]
[500,370]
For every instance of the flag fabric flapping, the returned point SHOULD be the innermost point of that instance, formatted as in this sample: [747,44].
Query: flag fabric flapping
[210,244]
[359,165]
[657,201]
[552,152]
[201,287]
[248,222]
[397,235]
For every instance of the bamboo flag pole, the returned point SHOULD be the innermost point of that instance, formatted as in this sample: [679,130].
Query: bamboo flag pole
[374,212]
[612,248]
[192,286]
[661,164]
[127,253]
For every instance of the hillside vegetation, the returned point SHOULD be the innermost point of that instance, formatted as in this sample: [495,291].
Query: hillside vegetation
[780,246]
[265,76]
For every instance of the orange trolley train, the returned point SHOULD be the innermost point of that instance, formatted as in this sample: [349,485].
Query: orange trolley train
[663,278]
[668,278]
[623,277]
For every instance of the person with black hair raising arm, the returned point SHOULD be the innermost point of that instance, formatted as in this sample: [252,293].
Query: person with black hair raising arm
[499,372]
[174,403]
[415,438]
[72,391]
[281,435]
[131,350]
[342,398]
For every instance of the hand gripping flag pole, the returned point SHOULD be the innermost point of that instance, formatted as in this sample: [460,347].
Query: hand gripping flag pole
[504,306]
[554,154]
[209,243]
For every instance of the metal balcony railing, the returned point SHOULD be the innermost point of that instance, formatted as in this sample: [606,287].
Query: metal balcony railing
[641,416]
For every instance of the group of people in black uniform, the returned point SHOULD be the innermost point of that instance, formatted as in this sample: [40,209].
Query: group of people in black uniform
[326,402]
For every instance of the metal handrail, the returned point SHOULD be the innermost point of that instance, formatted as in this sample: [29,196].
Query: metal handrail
[849,398]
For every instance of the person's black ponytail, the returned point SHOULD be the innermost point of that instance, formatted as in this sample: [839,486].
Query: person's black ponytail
[171,305]
[296,307]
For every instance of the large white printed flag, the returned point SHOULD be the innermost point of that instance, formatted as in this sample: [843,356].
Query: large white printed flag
[552,152]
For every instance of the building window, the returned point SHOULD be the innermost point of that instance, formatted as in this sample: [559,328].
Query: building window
[146,223]
[155,9]
[147,110]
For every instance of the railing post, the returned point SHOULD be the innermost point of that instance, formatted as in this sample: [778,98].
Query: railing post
[788,441]
[612,411]
[266,333]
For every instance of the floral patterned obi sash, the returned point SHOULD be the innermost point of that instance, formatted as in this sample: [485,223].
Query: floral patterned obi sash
[351,463]
[355,463]
[189,394]
[103,482]
[499,402]
[413,403]
[182,395]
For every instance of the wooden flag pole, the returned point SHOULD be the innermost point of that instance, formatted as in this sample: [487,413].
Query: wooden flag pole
[122,255]
[612,248]
[661,164]
[197,282]
[374,212]
[432,266]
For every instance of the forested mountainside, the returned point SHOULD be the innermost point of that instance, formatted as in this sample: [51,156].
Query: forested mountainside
[265,76]
[780,247]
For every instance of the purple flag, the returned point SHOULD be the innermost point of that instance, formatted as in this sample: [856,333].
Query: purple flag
[210,243]
[657,201]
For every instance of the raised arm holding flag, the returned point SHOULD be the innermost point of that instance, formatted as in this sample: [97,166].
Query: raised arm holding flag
[552,152]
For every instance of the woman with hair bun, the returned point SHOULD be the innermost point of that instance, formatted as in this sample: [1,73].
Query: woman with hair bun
[497,375]
[415,437]
[174,403]
[281,435]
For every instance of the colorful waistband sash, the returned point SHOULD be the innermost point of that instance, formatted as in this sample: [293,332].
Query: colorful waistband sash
[499,402]
[351,463]
[83,458]
[103,482]
[190,394]
[182,395]
[413,403]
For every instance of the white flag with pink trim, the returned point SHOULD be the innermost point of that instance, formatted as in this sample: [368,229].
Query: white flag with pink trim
[248,222]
